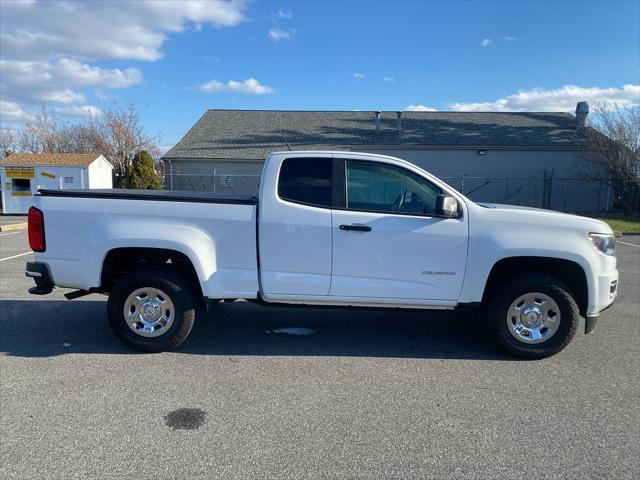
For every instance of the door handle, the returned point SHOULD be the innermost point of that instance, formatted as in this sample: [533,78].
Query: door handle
[356,227]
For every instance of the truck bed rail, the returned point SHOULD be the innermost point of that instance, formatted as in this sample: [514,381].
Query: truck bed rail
[155,195]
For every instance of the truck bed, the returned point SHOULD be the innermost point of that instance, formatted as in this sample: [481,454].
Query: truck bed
[216,232]
[155,195]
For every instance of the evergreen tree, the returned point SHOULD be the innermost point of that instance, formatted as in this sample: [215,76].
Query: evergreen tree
[141,174]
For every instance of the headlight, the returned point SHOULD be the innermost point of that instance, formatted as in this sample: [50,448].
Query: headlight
[604,242]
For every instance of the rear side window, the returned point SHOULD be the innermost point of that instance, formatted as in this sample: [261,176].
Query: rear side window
[306,180]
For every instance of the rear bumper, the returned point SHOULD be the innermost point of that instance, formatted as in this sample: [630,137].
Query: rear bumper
[41,275]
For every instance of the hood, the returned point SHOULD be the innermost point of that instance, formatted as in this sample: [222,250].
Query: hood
[549,217]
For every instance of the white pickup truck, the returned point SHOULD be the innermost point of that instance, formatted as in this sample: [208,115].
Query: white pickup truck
[328,228]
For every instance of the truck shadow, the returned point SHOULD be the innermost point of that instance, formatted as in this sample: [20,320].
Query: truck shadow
[50,328]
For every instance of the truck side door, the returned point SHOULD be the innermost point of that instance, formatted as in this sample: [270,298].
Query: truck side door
[294,234]
[388,244]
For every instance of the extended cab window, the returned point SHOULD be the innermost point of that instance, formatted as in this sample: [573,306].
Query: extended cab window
[386,188]
[306,180]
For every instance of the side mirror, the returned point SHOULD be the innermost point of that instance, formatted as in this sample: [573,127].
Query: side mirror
[447,206]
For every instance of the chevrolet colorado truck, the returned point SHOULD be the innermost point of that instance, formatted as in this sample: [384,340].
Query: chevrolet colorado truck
[343,229]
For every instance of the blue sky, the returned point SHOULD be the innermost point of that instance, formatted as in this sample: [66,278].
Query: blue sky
[176,59]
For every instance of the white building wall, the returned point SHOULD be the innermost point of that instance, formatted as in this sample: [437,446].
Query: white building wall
[100,174]
[18,199]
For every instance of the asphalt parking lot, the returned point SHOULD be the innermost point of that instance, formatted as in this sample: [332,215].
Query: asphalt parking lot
[368,395]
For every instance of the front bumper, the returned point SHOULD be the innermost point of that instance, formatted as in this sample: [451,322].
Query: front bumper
[592,318]
[41,275]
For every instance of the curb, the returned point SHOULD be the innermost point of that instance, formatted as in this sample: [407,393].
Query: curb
[13,226]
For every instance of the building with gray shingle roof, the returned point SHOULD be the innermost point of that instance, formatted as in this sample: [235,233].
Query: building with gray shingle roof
[225,149]
[253,134]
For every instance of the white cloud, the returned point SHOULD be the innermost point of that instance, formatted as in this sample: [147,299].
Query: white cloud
[56,96]
[106,29]
[388,79]
[509,38]
[419,108]
[250,86]
[54,81]
[277,34]
[359,75]
[48,47]
[83,74]
[563,99]
[486,42]
[80,111]
[283,14]
[12,111]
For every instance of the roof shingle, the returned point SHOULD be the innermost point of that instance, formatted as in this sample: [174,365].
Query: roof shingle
[69,159]
[252,134]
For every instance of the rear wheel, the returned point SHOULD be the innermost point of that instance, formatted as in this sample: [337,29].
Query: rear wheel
[533,316]
[152,309]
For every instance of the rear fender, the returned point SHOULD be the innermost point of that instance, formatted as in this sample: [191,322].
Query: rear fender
[194,243]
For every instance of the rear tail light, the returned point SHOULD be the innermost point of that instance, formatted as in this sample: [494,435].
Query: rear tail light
[36,230]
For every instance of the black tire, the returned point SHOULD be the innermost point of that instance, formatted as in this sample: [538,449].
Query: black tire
[175,286]
[514,287]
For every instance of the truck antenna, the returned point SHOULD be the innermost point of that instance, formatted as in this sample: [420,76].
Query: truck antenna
[285,139]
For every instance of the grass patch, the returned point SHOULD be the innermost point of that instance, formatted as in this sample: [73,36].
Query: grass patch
[619,222]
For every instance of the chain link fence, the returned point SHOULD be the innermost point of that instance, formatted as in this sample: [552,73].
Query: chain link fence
[194,182]
[568,194]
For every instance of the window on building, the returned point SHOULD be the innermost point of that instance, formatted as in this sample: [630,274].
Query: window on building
[306,180]
[21,185]
[387,188]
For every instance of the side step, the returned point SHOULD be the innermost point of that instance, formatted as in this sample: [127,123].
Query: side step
[80,293]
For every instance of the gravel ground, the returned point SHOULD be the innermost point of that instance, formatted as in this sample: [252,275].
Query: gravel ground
[367,394]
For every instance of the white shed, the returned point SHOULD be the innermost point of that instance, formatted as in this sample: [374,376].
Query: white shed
[22,174]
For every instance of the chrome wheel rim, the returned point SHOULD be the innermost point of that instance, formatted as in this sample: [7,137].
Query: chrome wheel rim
[533,318]
[149,312]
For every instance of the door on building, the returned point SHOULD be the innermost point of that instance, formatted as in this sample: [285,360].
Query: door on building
[388,244]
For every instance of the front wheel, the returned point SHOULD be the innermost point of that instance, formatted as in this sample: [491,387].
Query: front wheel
[151,309]
[533,316]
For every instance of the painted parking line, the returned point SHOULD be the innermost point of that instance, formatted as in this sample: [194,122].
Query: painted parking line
[9,233]
[15,256]
[627,243]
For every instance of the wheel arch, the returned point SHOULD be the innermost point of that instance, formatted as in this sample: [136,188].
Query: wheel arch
[119,261]
[569,272]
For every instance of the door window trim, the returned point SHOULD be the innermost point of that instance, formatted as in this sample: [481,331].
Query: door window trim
[341,167]
[339,188]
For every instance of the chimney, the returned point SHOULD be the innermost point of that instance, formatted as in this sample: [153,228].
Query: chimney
[582,111]
[377,121]
[399,122]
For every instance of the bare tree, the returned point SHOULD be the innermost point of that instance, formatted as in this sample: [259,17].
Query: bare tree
[8,143]
[43,134]
[614,157]
[117,134]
